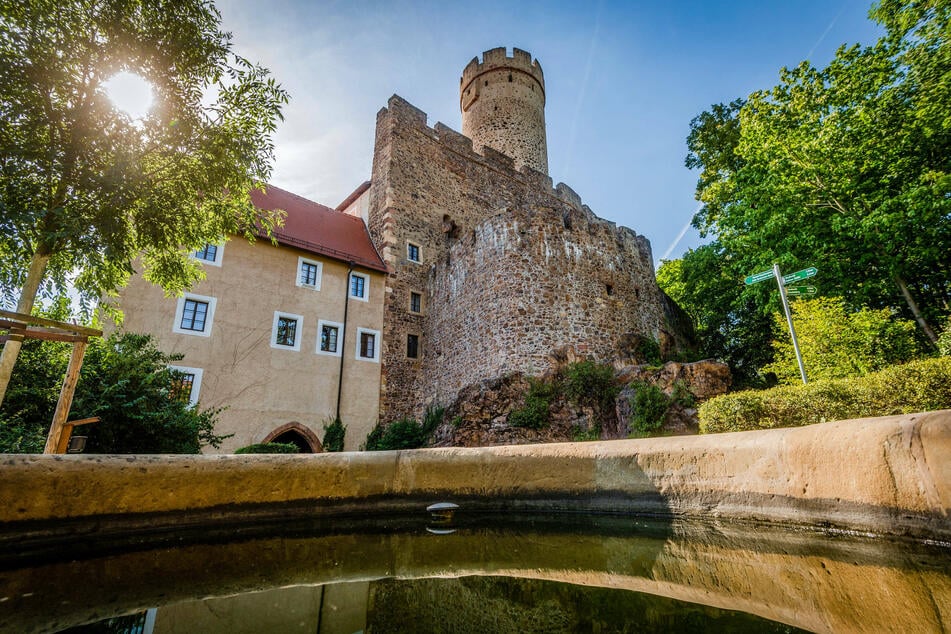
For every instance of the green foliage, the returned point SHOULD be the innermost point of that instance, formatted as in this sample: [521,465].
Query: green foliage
[681,394]
[405,433]
[87,187]
[733,322]
[592,384]
[944,340]
[534,414]
[648,349]
[457,421]
[125,381]
[838,343]
[845,168]
[19,436]
[334,434]
[580,434]
[650,406]
[918,386]
[268,447]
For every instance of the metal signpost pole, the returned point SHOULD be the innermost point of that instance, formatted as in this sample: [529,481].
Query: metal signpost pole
[792,330]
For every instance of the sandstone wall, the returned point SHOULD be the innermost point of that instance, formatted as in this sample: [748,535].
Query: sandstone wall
[510,268]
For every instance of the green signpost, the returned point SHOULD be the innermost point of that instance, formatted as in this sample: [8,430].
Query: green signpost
[795,291]
[758,277]
[800,275]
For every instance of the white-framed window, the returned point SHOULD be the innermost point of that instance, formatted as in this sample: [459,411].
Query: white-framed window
[414,252]
[329,337]
[415,302]
[368,344]
[187,384]
[360,286]
[286,331]
[211,254]
[194,315]
[308,273]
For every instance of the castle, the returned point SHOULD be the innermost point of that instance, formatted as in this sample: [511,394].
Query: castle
[492,270]
[455,263]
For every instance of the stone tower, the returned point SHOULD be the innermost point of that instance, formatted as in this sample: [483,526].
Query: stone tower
[503,106]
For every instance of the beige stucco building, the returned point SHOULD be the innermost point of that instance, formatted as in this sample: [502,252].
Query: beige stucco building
[275,333]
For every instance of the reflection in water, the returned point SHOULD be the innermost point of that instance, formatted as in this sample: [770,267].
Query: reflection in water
[589,574]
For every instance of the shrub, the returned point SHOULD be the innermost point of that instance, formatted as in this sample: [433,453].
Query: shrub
[405,433]
[650,408]
[838,343]
[944,340]
[648,349]
[125,381]
[534,413]
[17,436]
[681,394]
[268,447]
[334,434]
[590,383]
[913,387]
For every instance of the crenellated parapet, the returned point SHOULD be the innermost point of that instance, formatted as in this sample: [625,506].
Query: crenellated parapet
[498,59]
[408,114]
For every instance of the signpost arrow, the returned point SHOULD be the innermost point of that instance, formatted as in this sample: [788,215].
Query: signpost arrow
[800,290]
[758,277]
[799,275]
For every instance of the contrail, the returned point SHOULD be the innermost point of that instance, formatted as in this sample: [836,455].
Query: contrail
[824,34]
[584,88]
[680,236]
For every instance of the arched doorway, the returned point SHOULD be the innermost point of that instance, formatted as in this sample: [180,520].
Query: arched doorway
[296,434]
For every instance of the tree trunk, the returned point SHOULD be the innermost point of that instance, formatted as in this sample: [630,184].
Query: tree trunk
[11,349]
[915,311]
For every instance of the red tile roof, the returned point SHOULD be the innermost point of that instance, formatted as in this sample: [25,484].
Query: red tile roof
[320,230]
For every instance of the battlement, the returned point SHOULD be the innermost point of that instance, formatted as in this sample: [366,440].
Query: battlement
[497,58]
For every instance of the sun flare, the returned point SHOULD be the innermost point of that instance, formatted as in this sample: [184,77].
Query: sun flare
[129,93]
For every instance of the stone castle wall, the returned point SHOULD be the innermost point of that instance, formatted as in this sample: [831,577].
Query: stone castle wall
[527,282]
[511,268]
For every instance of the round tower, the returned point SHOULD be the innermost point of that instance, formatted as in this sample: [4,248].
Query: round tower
[503,106]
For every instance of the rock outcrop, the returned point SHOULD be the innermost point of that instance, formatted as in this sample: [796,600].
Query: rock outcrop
[479,416]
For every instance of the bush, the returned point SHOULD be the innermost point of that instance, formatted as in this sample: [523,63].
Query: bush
[918,386]
[839,343]
[17,436]
[590,383]
[944,340]
[405,433]
[268,447]
[334,434]
[648,349]
[125,380]
[650,408]
[535,413]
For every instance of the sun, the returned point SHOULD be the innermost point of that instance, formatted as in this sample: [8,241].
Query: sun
[129,93]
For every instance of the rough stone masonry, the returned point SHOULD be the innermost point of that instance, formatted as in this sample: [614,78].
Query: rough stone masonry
[492,268]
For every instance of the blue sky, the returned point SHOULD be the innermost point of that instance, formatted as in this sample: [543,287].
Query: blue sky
[623,81]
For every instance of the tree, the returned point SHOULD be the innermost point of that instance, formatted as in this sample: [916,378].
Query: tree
[733,322]
[84,190]
[125,381]
[845,168]
[837,343]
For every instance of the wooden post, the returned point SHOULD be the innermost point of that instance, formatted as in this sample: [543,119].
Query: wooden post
[65,397]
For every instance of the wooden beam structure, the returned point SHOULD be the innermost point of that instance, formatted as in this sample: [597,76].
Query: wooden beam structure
[19,327]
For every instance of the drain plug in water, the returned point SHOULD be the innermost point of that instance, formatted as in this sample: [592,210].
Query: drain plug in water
[441,515]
